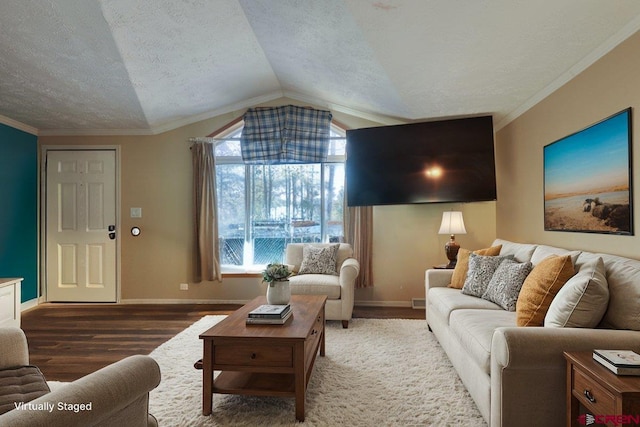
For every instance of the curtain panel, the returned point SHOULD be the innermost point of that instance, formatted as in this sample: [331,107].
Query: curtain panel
[286,134]
[358,231]
[207,262]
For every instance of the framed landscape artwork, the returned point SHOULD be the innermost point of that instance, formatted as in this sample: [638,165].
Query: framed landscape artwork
[587,179]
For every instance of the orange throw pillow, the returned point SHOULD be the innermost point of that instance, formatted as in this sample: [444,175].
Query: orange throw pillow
[462,264]
[540,287]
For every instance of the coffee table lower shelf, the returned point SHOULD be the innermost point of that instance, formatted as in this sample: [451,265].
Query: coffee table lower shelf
[255,384]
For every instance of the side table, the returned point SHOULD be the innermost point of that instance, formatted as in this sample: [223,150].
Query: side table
[609,398]
[10,304]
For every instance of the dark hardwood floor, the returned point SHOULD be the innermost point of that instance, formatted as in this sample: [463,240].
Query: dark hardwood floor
[68,341]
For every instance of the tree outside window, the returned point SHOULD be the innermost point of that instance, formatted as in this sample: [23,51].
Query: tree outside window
[261,208]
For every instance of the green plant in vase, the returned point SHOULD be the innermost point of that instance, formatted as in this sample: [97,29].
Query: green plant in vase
[277,276]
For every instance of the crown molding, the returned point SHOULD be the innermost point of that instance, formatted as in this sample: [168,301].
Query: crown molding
[627,31]
[168,126]
[367,115]
[18,125]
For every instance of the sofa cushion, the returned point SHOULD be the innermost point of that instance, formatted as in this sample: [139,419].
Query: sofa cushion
[316,284]
[521,252]
[474,330]
[319,260]
[582,301]
[543,251]
[540,287]
[462,264]
[20,384]
[623,277]
[481,269]
[446,300]
[505,284]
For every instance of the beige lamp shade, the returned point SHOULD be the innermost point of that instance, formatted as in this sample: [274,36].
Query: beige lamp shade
[452,224]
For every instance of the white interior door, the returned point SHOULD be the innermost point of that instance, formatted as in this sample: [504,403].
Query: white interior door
[81,226]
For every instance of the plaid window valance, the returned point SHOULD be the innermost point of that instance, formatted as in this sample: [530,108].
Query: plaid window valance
[286,134]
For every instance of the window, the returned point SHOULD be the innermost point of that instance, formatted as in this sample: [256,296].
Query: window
[261,208]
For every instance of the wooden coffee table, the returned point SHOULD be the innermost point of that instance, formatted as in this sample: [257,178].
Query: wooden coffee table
[264,360]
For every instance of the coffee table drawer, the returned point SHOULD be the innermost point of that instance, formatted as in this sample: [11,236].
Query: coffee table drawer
[317,327]
[246,355]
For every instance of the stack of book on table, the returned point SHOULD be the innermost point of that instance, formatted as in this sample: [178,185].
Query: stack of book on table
[620,362]
[269,314]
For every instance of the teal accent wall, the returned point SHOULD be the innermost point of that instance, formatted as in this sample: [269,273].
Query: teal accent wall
[19,208]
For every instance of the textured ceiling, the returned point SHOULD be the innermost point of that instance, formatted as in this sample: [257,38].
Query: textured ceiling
[146,66]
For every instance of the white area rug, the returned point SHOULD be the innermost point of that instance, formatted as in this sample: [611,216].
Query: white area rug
[375,373]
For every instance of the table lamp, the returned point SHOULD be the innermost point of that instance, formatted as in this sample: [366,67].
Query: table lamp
[452,224]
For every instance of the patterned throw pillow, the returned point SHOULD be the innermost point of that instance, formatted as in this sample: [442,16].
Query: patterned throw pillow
[462,265]
[505,284]
[481,269]
[319,259]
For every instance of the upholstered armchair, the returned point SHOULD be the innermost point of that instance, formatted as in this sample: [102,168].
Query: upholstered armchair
[338,287]
[118,393]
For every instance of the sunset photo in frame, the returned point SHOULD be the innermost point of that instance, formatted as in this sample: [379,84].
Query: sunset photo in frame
[587,179]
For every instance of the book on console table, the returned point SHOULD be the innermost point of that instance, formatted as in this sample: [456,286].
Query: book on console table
[269,321]
[620,362]
[270,311]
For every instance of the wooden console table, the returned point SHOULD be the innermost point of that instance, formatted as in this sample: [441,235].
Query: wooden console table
[610,397]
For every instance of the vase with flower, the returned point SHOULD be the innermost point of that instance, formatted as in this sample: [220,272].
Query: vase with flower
[277,277]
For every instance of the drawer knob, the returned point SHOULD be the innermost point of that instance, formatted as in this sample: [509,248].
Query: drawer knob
[253,355]
[589,396]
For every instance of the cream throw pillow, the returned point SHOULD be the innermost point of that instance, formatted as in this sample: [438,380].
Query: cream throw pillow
[540,287]
[462,265]
[583,300]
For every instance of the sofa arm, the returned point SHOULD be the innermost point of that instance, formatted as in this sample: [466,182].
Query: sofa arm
[15,351]
[348,274]
[439,278]
[117,395]
[528,370]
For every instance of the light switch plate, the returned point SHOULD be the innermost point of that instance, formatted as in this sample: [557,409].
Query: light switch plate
[136,212]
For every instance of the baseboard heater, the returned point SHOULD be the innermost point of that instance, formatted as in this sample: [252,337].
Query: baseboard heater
[418,303]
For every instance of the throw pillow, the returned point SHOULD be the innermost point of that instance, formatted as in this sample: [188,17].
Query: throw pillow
[462,264]
[504,286]
[539,288]
[319,259]
[583,300]
[481,269]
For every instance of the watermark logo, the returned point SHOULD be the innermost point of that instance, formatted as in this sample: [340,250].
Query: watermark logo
[586,419]
[616,420]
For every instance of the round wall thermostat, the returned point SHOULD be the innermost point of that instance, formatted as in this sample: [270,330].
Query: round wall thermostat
[135,231]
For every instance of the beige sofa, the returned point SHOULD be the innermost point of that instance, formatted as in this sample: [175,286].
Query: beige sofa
[339,289]
[516,375]
[118,393]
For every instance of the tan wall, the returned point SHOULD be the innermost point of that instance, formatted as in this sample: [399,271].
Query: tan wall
[156,175]
[608,86]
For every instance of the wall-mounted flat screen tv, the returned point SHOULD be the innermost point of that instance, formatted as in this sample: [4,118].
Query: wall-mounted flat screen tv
[430,162]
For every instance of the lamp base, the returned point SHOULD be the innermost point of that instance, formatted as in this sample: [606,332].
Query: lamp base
[451,249]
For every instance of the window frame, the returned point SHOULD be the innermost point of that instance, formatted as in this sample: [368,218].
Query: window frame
[226,134]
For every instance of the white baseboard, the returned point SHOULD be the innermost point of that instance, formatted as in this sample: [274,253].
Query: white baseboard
[28,305]
[383,303]
[181,301]
[217,301]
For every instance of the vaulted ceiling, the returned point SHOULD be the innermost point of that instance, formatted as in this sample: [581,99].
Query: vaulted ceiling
[146,66]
